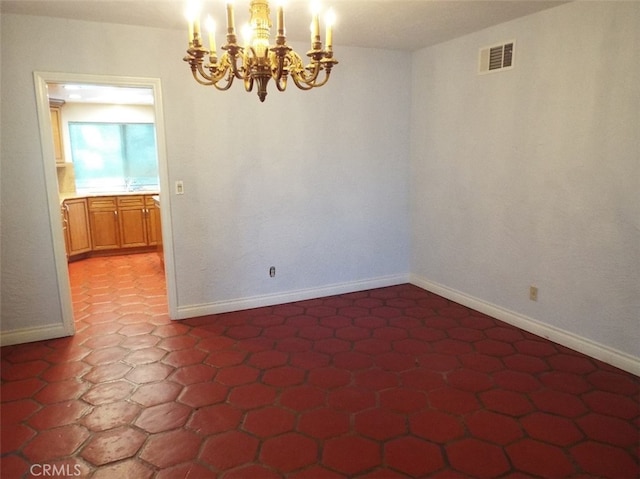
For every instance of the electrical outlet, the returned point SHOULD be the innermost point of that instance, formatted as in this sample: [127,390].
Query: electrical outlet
[533,293]
[179,187]
[272,271]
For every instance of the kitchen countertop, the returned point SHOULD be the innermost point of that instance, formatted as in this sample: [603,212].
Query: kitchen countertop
[70,196]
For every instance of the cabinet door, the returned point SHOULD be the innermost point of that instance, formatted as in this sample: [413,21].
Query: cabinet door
[79,236]
[153,221]
[132,218]
[132,226]
[103,218]
[65,228]
[56,125]
[104,229]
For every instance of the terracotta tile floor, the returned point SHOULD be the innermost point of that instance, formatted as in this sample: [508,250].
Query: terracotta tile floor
[389,383]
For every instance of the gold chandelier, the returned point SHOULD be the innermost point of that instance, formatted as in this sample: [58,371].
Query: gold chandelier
[257,61]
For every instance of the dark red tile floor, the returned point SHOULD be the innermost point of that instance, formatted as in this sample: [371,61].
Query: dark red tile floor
[388,383]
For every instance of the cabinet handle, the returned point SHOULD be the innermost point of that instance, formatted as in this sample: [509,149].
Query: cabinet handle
[115,212]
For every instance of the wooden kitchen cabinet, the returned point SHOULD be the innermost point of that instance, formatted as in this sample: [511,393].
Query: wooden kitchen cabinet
[153,221]
[118,224]
[158,228]
[55,107]
[103,218]
[65,231]
[133,221]
[75,217]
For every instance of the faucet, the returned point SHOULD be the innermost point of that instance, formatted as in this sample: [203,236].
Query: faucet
[129,184]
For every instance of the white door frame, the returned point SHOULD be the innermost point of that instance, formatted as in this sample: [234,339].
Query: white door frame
[51,180]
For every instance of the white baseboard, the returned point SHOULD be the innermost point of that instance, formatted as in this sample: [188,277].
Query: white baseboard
[239,304]
[29,335]
[571,340]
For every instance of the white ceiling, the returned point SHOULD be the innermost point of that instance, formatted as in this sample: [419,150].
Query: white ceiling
[392,24]
[106,94]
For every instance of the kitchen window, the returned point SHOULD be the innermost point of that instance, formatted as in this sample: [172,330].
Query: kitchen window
[114,157]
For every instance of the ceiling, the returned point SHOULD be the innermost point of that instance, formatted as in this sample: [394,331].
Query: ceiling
[105,94]
[390,24]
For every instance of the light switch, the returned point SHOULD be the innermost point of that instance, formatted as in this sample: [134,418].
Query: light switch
[179,187]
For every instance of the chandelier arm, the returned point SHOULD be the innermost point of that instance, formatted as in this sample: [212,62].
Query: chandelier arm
[327,73]
[235,70]
[315,68]
[200,77]
[194,58]
[296,68]
[277,71]
[281,82]
[244,72]
[227,85]
[248,83]
[214,74]
[281,60]
[300,76]
[224,71]
[327,65]
[302,85]
[241,73]
[324,82]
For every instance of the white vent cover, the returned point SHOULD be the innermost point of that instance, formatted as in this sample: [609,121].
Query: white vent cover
[496,58]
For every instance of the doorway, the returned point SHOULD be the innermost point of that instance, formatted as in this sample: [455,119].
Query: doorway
[46,82]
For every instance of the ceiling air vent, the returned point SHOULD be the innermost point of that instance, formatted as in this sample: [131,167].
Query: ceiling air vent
[496,58]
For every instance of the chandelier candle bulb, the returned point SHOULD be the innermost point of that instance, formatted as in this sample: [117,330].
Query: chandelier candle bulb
[211,27]
[329,20]
[196,23]
[315,23]
[280,24]
[230,20]
[190,13]
[196,29]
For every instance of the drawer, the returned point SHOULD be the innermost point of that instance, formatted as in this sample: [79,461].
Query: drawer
[149,201]
[134,200]
[102,202]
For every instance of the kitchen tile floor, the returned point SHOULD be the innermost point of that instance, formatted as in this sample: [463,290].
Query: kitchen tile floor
[388,383]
